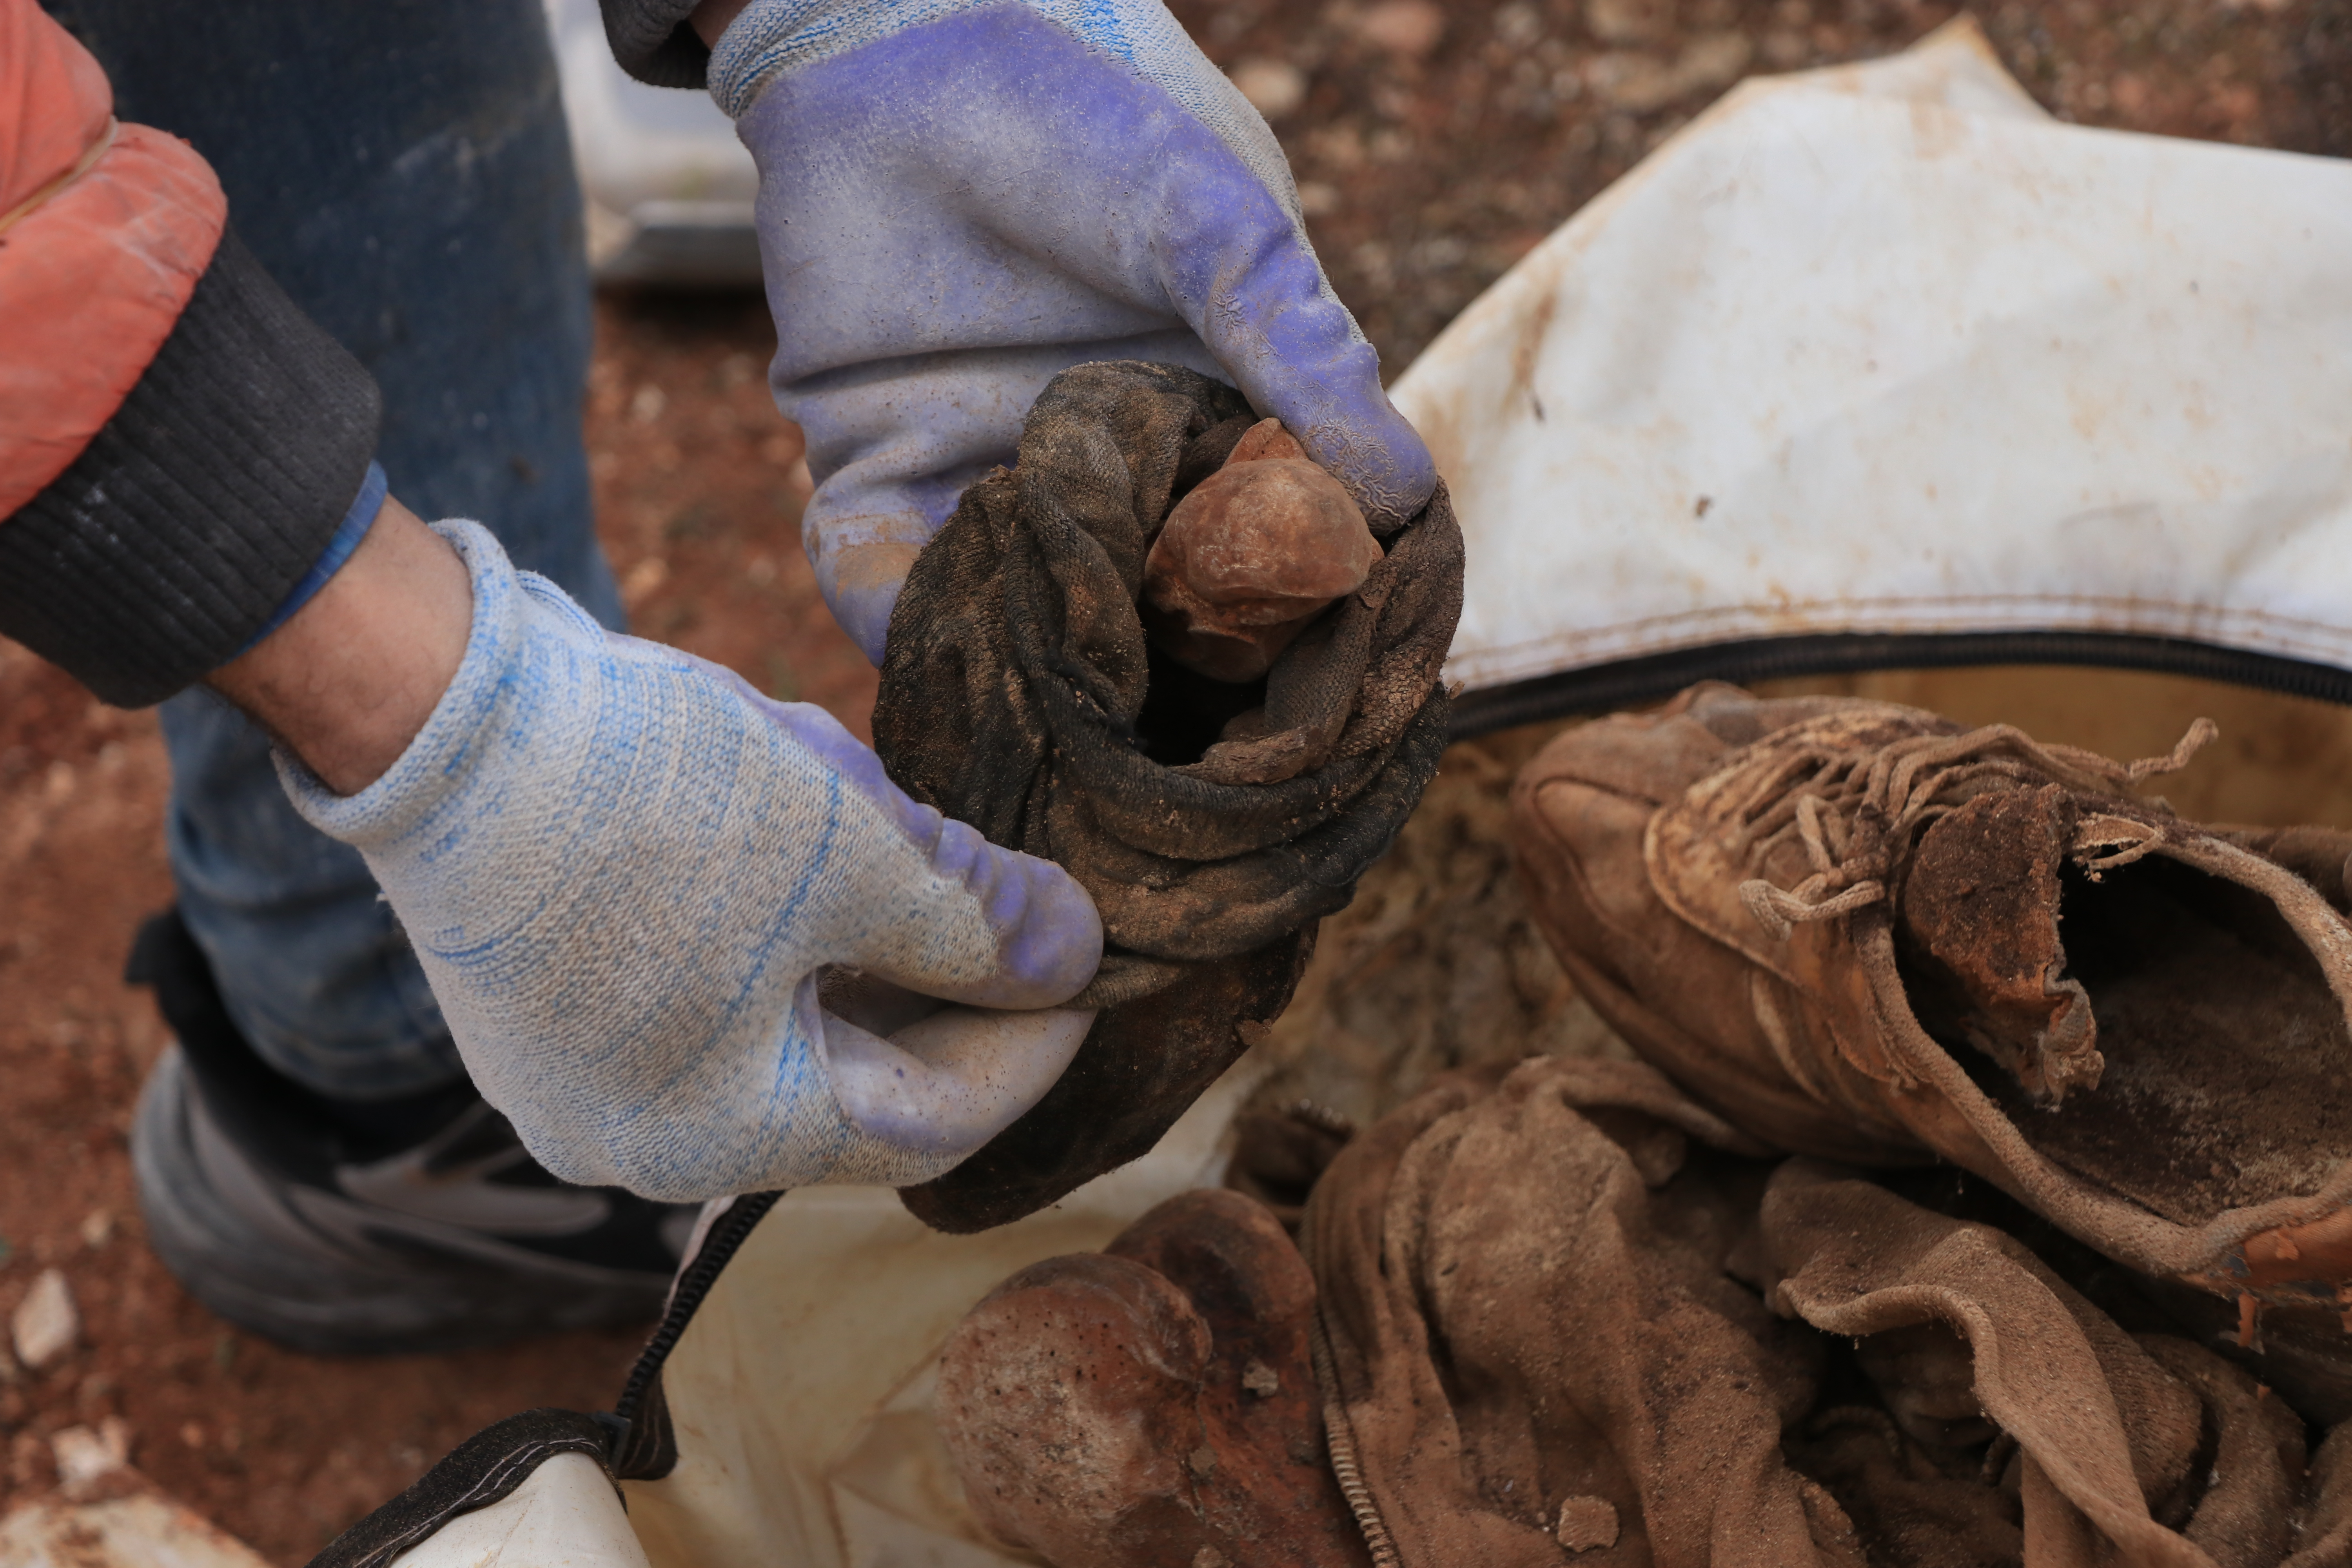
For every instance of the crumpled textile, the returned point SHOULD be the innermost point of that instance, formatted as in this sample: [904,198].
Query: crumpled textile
[1566,1309]
[1212,824]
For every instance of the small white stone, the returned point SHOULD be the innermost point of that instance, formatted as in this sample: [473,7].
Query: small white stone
[1406,27]
[1629,21]
[46,1324]
[84,1456]
[138,1529]
[1274,87]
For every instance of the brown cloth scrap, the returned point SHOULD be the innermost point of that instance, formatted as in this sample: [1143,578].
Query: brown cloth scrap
[1565,1315]
[1019,694]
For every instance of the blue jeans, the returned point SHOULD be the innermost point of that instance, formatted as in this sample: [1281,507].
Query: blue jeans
[403,168]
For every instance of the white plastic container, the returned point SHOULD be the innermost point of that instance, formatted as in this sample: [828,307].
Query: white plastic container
[669,189]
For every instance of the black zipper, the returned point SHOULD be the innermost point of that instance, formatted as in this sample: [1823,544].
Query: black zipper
[1629,683]
[642,1446]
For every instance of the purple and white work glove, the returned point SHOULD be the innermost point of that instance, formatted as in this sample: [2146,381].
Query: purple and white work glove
[623,868]
[958,201]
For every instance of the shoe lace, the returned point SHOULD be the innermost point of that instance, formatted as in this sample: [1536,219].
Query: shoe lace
[1857,812]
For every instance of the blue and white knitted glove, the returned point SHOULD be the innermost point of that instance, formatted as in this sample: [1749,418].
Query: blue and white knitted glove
[958,200]
[623,868]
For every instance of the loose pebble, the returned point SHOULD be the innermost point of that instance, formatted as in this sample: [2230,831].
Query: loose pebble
[84,1455]
[1274,87]
[1587,1523]
[46,1324]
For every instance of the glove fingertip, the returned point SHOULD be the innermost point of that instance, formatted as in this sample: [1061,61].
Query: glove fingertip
[1051,950]
[1387,469]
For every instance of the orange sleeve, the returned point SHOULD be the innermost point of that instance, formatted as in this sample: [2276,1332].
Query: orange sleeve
[96,261]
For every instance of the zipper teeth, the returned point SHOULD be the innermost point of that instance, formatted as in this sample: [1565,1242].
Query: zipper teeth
[717,1247]
[1629,682]
[1339,1442]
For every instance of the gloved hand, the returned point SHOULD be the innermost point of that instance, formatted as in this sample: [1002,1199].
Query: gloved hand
[959,200]
[623,869]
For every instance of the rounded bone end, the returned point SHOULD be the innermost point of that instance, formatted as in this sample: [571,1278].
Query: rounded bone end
[1249,559]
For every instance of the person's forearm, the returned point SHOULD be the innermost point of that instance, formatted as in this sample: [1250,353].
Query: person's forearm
[182,450]
[348,681]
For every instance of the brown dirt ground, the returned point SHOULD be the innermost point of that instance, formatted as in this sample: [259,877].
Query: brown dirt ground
[1431,159]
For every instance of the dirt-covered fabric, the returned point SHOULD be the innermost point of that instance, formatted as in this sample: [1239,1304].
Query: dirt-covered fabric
[1213,823]
[1867,933]
[1567,1307]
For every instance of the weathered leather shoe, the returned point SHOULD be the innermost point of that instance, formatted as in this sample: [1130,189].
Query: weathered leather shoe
[1863,931]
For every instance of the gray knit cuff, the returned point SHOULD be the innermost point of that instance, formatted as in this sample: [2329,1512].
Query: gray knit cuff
[653,43]
[192,514]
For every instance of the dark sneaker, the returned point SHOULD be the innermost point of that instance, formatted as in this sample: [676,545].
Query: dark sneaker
[345,1229]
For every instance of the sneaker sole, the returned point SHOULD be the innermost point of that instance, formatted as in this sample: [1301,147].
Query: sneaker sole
[314,1271]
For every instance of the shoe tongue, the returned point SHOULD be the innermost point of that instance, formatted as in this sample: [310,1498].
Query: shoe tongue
[1980,899]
